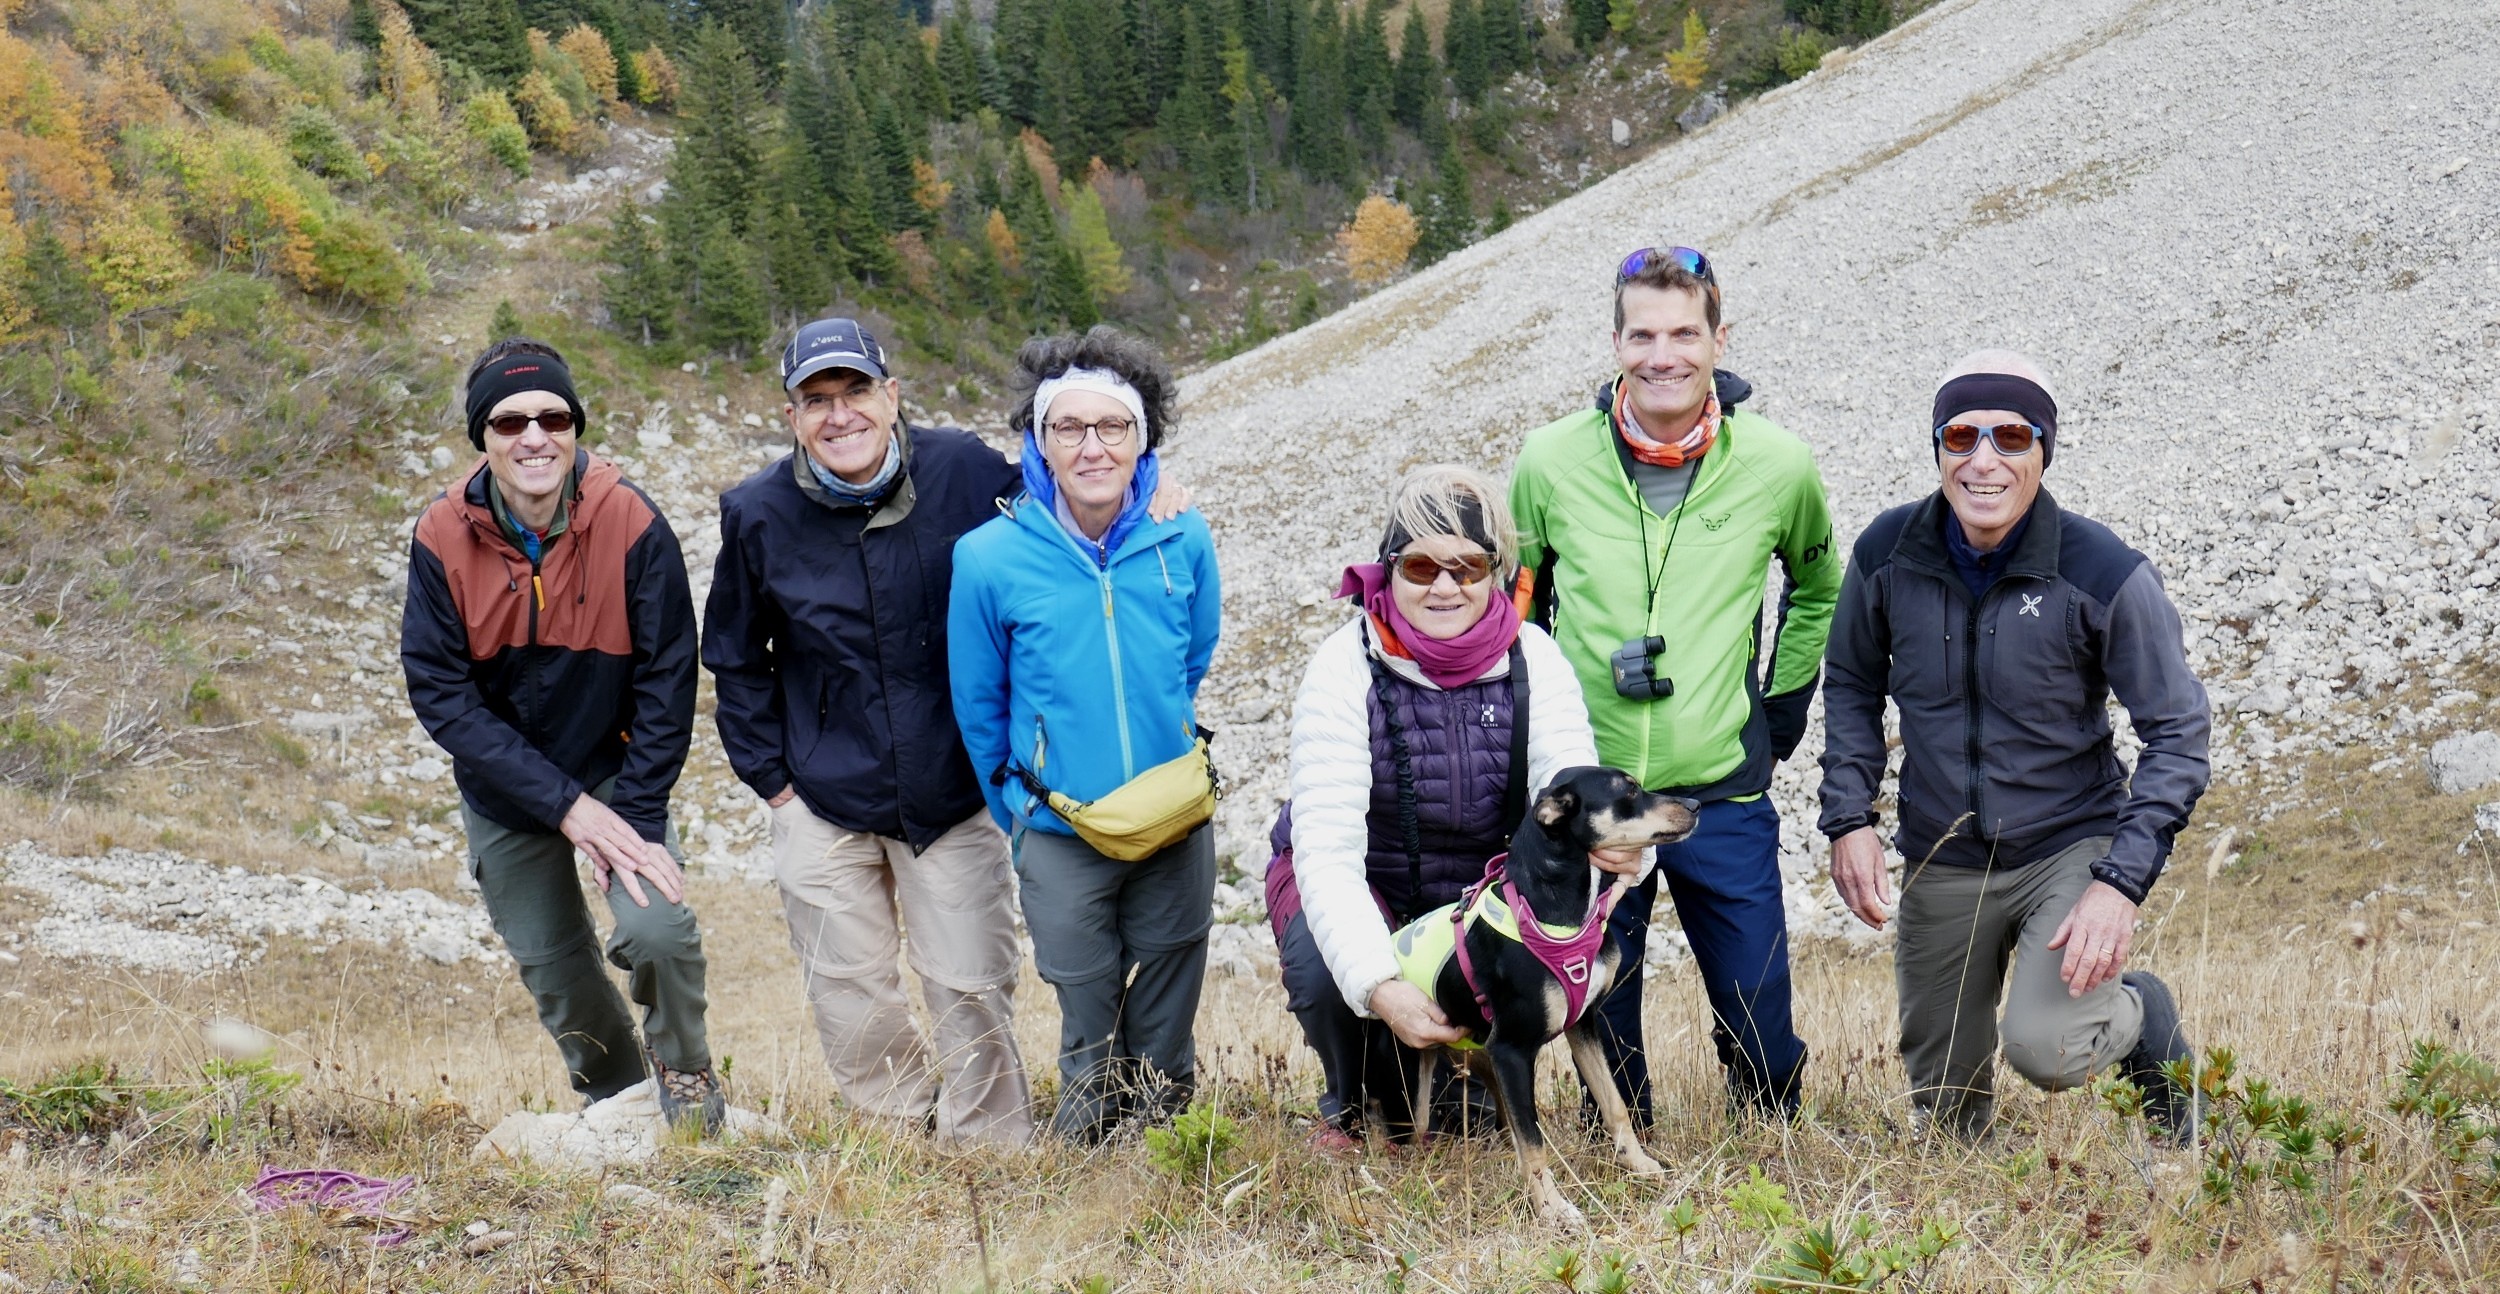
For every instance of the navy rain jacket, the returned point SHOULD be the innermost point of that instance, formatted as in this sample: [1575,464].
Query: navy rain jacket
[826,636]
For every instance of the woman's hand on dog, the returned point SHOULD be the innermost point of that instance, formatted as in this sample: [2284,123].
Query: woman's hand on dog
[1412,1016]
[1858,872]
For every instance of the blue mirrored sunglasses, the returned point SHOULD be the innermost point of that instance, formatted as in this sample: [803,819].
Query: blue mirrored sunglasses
[1693,262]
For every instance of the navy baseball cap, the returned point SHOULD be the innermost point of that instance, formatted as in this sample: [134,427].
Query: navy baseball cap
[830,343]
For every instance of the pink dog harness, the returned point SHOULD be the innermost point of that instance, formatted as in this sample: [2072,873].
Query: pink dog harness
[1570,960]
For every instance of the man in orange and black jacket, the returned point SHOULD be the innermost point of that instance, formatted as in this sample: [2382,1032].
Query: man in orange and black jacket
[549,645]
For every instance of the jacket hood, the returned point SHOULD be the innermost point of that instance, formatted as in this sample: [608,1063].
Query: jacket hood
[1045,490]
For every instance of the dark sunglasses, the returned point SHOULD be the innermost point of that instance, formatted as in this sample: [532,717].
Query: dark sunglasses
[555,422]
[2011,439]
[1416,568]
[1694,263]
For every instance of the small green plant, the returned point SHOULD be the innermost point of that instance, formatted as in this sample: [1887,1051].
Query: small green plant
[1561,1266]
[1761,1204]
[87,1099]
[2252,1135]
[1682,1218]
[232,1091]
[1199,1141]
[2458,1093]
[1829,1257]
[1614,1274]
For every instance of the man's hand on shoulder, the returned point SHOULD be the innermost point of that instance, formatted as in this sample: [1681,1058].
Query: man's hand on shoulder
[1170,500]
[2096,937]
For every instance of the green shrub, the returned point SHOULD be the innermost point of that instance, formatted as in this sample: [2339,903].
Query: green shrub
[490,120]
[1198,1143]
[1800,51]
[320,144]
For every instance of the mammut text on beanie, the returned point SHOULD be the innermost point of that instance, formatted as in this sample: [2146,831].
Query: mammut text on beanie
[510,376]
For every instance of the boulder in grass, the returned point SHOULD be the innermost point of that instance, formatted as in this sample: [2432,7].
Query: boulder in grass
[2468,761]
[624,1129]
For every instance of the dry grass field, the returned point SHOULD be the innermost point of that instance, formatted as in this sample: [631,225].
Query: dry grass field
[2345,931]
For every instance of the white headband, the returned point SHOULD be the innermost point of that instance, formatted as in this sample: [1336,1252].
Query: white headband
[1101,381]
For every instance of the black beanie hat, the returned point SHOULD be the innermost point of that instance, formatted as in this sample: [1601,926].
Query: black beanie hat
[511,375]
[2000,391]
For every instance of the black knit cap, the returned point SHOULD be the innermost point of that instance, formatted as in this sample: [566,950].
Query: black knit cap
[2000,391]
[511,375]
[1470,522]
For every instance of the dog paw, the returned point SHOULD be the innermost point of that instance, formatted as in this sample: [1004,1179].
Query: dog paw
[1560,1213]
[1639,1164]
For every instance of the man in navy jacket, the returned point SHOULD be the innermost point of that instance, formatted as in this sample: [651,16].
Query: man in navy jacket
[2000,625]
[826,637]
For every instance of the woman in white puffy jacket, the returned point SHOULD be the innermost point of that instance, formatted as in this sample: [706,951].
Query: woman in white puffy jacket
[1406,780]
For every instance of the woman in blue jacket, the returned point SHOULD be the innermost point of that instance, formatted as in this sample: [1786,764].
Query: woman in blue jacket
[1077,633]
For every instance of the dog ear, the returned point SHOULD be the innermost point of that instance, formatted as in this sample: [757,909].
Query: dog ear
[1558,802]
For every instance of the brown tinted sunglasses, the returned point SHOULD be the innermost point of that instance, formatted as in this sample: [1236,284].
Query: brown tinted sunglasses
[1416,568]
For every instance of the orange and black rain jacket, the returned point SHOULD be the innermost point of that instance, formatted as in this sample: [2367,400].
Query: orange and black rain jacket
[544,679]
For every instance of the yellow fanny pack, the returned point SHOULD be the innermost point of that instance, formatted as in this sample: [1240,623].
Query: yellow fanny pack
[1148,814]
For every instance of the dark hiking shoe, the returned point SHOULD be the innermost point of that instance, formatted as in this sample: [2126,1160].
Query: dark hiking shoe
[688,1096]
[2169,1108]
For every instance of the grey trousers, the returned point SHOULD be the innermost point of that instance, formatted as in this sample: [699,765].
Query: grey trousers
[1958,926]
[533,896]
[1125,946]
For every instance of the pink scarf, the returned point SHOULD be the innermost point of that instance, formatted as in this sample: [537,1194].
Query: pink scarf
[1446,662]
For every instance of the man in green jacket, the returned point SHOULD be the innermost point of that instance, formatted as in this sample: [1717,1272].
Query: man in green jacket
[1651,520]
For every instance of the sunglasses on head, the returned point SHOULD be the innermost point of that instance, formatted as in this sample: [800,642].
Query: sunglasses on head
[1416,568]
[1694,263]
[555,422]
[2010,439]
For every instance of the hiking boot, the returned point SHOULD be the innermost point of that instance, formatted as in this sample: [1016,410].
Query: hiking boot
[688,1096]
[2170,1108]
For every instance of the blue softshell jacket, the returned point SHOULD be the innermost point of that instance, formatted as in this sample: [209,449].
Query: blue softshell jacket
[1081,667]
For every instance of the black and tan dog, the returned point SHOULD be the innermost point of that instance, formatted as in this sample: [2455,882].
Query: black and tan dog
[1533,975]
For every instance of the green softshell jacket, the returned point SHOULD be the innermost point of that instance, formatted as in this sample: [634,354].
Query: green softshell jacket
[1595,546]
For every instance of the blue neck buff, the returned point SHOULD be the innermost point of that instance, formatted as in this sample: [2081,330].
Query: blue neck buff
[1045,490]
[876,487]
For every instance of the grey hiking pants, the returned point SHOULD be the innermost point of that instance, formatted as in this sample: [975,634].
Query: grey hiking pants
[1957,928]
[533,895]
[1125,946]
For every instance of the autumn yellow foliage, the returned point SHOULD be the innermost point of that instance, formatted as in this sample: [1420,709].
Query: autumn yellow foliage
[1002,240]
[1379,239]
[587,48]
[657,77]
[1689,65]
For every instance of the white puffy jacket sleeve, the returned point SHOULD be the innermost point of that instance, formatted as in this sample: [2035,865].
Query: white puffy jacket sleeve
[1331,780]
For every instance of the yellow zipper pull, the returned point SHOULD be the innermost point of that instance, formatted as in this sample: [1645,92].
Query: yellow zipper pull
[540,586]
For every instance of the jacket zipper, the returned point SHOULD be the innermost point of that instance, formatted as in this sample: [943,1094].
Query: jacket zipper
[1970,714]
[1119,690]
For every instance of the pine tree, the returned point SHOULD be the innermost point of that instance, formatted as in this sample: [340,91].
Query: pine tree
[1069,294]
[1369,76]
[1156,27]
[794,235]
[1506,47]
[1060,109]
[1462,47]
[761,26]
[641,299]
[1316,131]
[1192,122]
[1416,84]
[959,66]
[1109,57]
[893,175]
[1449,217]
[1622,16]
[728,306]
[485,36]
[506,321]
[1089,232]
[717,168]
[1588,22]
[824,108]
[1246,93]
[1020,30]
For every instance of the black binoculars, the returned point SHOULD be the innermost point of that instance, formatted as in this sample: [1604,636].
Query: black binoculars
[1636,670]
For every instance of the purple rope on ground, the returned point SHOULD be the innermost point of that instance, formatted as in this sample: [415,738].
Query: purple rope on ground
[331,1188]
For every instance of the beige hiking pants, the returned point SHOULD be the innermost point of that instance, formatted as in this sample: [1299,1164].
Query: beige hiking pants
[843,893]
[1958,928]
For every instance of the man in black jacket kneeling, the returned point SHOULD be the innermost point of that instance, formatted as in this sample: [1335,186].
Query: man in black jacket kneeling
[2000,625]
